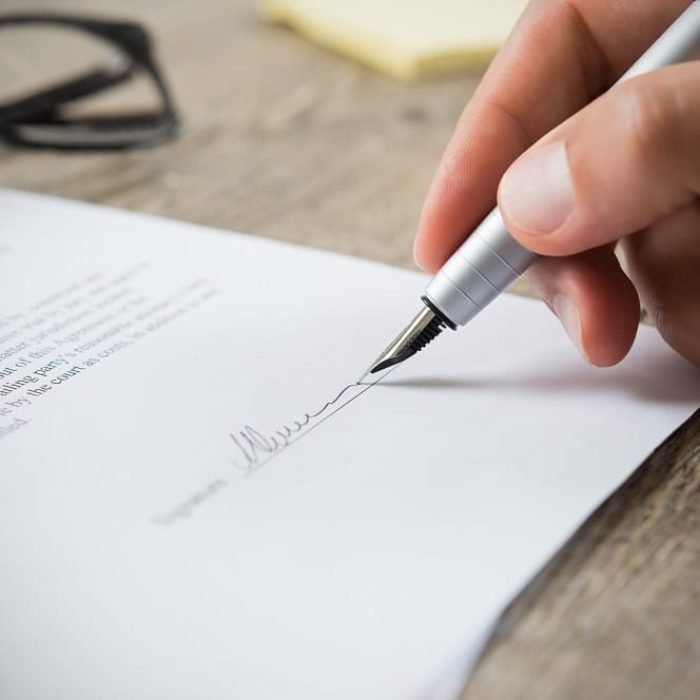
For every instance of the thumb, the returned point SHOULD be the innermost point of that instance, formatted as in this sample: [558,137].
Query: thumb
[625,162]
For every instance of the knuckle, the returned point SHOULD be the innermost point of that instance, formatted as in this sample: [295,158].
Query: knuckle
[650,118]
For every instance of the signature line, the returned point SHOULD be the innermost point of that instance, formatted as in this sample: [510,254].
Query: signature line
[253,468]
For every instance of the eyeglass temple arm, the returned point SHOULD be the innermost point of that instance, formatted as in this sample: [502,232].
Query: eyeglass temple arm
[42,105]
[127,36]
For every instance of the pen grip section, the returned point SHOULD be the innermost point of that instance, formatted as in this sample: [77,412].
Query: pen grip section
[487,264]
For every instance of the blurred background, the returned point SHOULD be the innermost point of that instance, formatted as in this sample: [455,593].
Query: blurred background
[279,136]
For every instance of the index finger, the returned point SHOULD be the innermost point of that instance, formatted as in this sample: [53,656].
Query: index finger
[561,55]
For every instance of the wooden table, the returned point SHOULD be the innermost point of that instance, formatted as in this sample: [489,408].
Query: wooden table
[285,140]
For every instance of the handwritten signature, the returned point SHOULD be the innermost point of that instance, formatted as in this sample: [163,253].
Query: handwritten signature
[254,447]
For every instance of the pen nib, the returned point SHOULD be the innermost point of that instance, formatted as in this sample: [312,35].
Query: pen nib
[424,328]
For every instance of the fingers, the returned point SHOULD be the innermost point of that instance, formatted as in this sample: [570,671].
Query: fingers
[594,300]
[664,263]
[628,163]
[562,54]
[625,162]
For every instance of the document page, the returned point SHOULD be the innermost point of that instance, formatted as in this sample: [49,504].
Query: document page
[197,500]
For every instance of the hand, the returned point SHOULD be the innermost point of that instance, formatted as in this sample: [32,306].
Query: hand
[626,168]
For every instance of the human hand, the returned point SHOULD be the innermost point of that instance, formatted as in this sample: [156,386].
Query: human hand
[626,168]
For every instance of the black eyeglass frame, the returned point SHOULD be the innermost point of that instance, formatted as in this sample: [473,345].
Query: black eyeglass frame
[41,114]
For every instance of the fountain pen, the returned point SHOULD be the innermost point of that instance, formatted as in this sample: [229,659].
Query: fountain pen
[491,259]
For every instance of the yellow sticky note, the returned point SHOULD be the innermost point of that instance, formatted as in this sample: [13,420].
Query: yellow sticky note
[406,39]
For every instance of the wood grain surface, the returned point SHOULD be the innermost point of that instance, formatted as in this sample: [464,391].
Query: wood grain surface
[284,140]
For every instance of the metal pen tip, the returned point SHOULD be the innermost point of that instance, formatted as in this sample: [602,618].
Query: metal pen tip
[424,328]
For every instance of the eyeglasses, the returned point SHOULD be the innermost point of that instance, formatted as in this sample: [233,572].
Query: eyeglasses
[51,117]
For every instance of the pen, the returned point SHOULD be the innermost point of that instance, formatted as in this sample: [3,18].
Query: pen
[490,260]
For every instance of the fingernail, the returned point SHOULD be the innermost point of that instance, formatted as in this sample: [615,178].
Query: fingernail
[416,259]
[537,193]
[568,315]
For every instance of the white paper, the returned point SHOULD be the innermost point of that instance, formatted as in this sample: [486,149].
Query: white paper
[144,555]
